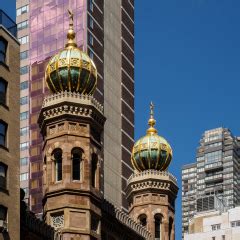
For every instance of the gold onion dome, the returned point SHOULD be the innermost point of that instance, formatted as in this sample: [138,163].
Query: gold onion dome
[71,69]
[151,151]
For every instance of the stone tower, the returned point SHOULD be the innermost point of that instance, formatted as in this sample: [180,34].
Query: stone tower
[151,190]
[71,123]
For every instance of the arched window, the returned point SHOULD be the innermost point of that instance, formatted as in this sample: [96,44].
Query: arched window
[94,169]
[57,155]
[143,220]
[158,221]
[76,163]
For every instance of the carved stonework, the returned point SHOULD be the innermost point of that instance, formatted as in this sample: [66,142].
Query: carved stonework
[58,221]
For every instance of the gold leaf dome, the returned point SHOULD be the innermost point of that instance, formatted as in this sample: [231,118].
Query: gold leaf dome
[151,151]
[71,69]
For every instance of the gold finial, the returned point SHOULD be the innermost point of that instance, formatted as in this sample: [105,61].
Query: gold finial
[71,34]
[151,121]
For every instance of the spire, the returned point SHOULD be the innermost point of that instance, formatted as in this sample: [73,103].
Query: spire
[71,34]
[151,121]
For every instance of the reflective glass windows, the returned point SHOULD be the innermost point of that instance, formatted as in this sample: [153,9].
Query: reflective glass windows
[3,175]
[23,115]
[23,55]
[24,100]
[22,25]
[3,133]
[23,39]
[23,70]
[22,10]
[3,49]
[3,91]
[24,85]
[24,161]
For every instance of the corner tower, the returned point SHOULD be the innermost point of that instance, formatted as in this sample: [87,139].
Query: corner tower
[151,190]
[71,123]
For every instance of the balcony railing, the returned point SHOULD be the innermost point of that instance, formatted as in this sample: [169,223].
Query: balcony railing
[213,166]
[214,178]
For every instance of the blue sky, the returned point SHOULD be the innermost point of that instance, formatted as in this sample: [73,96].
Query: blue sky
[187,63]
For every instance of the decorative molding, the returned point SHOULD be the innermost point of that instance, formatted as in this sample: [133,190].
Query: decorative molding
[151,174]
[71,97]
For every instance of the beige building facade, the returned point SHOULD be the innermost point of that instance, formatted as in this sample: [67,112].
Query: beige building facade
[9,130]
[215,225]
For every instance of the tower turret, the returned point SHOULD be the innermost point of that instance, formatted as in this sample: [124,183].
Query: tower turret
[151,190]
[71,123]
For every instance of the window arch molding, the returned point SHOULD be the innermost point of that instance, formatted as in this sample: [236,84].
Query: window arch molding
[77,155]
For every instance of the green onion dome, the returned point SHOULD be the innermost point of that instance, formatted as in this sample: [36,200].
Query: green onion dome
[71,69]
[151,151]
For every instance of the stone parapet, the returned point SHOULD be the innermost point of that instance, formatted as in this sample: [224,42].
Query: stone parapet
[71,97]
[151,174]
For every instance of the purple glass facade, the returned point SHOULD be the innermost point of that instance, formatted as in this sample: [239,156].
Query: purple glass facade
[48,27]
[49,24]
[105,30]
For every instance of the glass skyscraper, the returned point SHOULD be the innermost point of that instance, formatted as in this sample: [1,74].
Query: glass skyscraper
[104,29]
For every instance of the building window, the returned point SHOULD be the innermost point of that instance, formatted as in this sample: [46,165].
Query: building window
[22,25]
[3,176]
[90,54]
[23,55]
[22,10]
[24,131]
[94,169]
[24,100]
[91,5]
[223,237]
[90,39]
[170,227]
[23,70]
[3,91]
[24,115]
[143,220]
[24,85]
[24,146]
[23,39]
[23,176]
[3,133]
[24,161]
[158,221]
[235,223]
[3,50]
[57,156]
[76,163]
[3,213]
[91,22]
[216,227]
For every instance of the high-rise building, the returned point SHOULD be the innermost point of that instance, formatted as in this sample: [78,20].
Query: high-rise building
[22,20]
[216,172]
[105,30]
[9,130]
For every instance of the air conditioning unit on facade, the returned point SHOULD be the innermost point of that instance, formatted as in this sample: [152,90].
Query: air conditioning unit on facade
[3,226]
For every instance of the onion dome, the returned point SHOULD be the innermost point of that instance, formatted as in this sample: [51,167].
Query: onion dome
[71,69]
[151,151]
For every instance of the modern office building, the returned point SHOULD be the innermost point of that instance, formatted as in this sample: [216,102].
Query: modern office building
[215,225]
[22,19]
[9,130]
[105,30]
[216,172]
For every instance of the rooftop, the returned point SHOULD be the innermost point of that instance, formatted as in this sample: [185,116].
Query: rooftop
[8,23]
